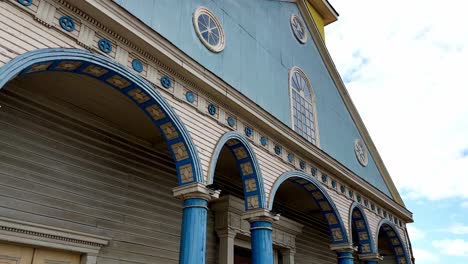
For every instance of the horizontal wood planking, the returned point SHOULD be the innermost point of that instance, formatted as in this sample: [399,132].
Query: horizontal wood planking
[58,168]
[313,245]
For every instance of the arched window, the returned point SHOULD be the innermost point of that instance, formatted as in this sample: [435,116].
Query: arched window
[303,111]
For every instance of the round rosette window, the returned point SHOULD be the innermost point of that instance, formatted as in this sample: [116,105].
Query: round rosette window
[298,28]
[361,153]
[209,29]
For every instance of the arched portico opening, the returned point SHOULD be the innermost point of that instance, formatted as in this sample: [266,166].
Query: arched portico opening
[389,244]
[301,198]
[142,93]
[235,170]
[106,146]
[362,237]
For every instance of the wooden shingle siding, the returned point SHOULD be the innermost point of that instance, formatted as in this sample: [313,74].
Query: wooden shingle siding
[312,245]
[58,168]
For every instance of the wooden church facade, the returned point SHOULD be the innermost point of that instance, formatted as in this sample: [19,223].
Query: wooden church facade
[117,147]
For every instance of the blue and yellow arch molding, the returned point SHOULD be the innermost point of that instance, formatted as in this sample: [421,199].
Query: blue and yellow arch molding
[127,83]
[252,181]
[358,221]
[394,240]
[328,209]
[143,95]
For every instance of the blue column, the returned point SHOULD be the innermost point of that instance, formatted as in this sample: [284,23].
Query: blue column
[262,243]
[345,257]
[193,234]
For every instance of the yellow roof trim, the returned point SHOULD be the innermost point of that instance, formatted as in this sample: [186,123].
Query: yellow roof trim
[326,10]
[315,34]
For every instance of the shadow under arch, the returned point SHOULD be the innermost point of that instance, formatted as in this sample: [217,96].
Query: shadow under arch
[141,92]
[358,221]
[327,207]
[243,153]
[394,240]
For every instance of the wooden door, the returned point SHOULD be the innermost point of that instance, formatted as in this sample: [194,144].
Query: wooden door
[16,254]
[12,254]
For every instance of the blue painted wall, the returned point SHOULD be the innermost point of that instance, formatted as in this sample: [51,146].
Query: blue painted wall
[260,50]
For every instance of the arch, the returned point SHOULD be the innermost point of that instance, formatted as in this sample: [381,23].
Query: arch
[320,197]
[394,240]
[358,220]
[123,80]
[252,181]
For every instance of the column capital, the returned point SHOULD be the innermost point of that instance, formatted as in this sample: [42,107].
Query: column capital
[259,215]
[370,257]
[194,190]
[343,248]
[230,233]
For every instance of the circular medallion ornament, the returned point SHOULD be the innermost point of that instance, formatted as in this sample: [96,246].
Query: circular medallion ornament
[212,109]
[190,97]
[290,157]
[248,131]
[231,122]
[166,82]
[67,23]
[333,184]
[209,29]
[313,171]
[342,189]
[361,153]
[137,65]
[105,45]
[302,164]
[298,28]
[278,150]
[324,178]
[25,2]
[263,141]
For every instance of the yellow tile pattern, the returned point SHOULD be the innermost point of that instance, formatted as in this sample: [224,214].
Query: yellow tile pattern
[246,168]
[360,224]
[169,131]
[118,81]
[317,195]
[252,202]
[179,150]
[186,173]
[139,96]
[39,67]
[250,185]
[356,214]
[68,65]
[240,153]
[365,248]
[363,236]
[336,233]
[331,218]
[325,206]
[155,112]
[95,71]
[310,187]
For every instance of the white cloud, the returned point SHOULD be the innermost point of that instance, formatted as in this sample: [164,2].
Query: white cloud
[455,247]
[415,233]
[426,257]
[411,92]
[464,204]
[457,229]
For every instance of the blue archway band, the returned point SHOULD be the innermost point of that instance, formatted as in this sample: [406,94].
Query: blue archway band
[329,211]
[361,225]
[121,79]
[252,181]
[394,240]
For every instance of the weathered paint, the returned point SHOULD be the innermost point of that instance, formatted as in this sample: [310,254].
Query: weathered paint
[260,51]
[345,257]
[262,243]
[317,19]
[193,235]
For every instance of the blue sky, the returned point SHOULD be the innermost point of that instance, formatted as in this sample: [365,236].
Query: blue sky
[404,64]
